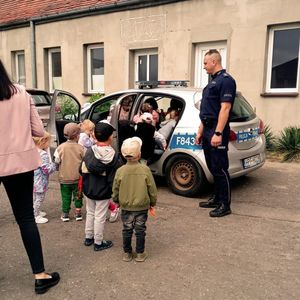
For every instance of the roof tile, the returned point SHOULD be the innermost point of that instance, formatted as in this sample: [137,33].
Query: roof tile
[19,10]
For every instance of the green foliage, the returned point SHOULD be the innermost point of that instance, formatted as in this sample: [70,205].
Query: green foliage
[67,106]
[289,143]
[270,138]
[95,97]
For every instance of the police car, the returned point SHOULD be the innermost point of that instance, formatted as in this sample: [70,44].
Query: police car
[182,163]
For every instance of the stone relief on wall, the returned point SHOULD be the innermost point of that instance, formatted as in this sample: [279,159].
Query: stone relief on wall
[143,28]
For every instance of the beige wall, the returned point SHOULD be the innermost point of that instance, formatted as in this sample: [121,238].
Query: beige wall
[174,31]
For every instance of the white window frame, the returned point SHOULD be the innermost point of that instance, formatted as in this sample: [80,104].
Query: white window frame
[138,53]
[16,56]
[89,68]
[269,61]
[50,51]
[201,77]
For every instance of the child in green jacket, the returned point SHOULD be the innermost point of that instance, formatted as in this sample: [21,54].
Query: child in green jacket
[135,191]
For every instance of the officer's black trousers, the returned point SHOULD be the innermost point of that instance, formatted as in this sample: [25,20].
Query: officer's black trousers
[217,162]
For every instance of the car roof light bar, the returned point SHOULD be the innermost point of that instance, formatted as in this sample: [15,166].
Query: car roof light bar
[162,83]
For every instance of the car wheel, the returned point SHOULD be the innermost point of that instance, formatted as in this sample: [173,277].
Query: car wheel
[184,175]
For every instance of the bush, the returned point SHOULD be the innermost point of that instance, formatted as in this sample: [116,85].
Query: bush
[270,138]
[289,143]
[95,97]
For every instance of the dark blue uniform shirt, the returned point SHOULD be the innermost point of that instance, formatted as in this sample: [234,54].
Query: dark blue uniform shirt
[222,88]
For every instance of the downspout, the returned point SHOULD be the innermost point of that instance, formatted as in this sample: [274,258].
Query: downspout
[33,54]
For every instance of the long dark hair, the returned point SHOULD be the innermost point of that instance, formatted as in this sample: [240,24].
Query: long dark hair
[7,88]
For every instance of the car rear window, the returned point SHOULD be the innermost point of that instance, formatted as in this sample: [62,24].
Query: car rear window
[41,100]
[242,110]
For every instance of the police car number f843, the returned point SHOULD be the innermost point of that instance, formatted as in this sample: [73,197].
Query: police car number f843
[184,141]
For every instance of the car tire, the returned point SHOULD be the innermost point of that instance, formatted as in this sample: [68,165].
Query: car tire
[184,175]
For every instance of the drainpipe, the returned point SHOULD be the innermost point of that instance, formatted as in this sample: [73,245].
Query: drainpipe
[33,55]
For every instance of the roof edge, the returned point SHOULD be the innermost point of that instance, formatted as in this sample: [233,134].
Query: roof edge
[90,11]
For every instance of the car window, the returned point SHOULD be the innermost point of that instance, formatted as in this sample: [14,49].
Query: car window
[66,108]
[41,100]
[242,110]
[101,110]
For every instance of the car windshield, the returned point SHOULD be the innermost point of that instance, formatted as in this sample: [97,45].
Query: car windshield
[242,110]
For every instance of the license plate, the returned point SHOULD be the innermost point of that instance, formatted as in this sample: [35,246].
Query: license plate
[251,161]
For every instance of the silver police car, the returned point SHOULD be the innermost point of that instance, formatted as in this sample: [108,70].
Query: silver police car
[182,163]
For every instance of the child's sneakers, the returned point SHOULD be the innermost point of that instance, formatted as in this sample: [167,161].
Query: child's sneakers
[78,215]
[140,257]
[104,245]
[65,217]
[88,242]
[127,256]
[114,215]
[42,214]
[40,220]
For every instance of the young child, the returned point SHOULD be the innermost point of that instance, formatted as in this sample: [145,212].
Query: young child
[69,156]
[167,126]
[135,190]
[146,107]
[86,138]
[98,170]
[41,177]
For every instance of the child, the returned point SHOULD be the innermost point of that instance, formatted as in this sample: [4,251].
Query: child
[135,190]
[146,107]
[167,126]
[98,170]
[41,177]
[86,138]
[69,155]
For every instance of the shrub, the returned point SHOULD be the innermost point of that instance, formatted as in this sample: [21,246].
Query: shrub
[270,138]
[95,97]
[289,143]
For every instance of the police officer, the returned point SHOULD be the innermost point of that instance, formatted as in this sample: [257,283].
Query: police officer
[217,101]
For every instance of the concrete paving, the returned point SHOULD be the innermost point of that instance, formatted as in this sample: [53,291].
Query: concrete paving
[252,254]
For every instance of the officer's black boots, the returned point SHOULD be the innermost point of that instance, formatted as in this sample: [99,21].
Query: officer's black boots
[220,211]
[210,203]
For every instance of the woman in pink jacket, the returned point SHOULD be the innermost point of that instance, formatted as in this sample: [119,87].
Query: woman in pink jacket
[19,121]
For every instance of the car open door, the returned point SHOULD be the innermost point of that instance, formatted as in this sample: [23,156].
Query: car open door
[65,108]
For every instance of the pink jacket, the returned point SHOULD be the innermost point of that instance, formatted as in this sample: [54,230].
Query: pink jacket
[19,121]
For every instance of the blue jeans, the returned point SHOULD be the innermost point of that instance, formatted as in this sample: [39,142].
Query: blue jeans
[19,189]
[134,220]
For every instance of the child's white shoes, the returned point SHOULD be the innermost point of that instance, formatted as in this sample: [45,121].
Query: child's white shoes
[40,220]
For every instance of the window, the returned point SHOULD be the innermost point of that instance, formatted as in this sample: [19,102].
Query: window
[242,110]
[102,110]
[54,67]
[19,70]
[201,77]
[95,68]
[146,65]
[283,59]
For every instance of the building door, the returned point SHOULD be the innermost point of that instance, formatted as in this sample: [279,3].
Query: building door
[201,77]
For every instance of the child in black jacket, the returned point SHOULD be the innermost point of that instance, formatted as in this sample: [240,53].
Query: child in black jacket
[98,170]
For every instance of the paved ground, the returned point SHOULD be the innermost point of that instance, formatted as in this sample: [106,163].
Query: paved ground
[252,254]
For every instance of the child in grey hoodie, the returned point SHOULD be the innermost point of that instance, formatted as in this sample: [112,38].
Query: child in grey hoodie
[98,170]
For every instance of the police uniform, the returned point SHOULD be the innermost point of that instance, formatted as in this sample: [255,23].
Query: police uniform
[222,88]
